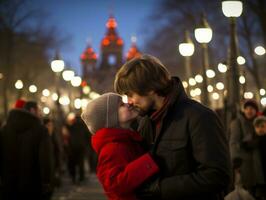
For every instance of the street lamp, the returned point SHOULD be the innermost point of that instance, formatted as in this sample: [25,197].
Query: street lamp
[203,35]
[68,75]
[232,10]
[186,49]
[57,66]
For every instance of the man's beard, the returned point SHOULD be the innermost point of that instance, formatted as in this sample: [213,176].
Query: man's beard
[143,112]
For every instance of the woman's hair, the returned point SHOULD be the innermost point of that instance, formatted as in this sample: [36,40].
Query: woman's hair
[142,75]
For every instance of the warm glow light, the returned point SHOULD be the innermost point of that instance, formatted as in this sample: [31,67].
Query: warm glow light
[215,96]
[186,49]
[199,78]
[77,103]
[203,35]
[76,81]
[259,50]
[222,67]
[93,95]
[210,88]
[1,76]
[192,82]
[19,84]
[185,84]
[220,86]
[84,103]
[262,92]
[263,101]
[68,75]
[86,89]
[57,65]
[55,97]
[46,92]
[248,95]
[33,88]
[210,73]
[241,60]
[197,91]
[43,99]
[193,93]
[46,110]
[64,100]
[232,8]
[242,79]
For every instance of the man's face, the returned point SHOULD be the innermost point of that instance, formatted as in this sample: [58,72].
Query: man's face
[261,129]
[144,104]
[250,112]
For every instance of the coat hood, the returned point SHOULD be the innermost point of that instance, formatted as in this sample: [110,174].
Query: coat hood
[108,135]
[21,120]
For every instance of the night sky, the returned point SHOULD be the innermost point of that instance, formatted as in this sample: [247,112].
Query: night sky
[83,19]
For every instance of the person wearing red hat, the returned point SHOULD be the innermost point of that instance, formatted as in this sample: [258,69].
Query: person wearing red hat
[25,155]
[19,103]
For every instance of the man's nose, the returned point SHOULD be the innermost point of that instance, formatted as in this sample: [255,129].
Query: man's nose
[130,101]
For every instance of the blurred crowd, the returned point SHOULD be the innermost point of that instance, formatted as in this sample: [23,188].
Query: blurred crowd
[36,152]
[46,150]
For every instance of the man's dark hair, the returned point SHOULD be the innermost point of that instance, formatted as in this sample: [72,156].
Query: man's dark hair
[142,75]
[30,104]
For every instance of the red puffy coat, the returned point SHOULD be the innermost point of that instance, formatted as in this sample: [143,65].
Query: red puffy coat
[122,163]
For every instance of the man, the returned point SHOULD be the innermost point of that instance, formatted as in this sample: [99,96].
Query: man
[244,148]
[26,157]
[187,138]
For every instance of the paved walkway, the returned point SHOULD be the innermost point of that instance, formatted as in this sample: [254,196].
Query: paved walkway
[89,190]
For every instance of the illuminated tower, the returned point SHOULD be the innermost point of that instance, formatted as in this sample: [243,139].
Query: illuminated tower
[133,51]
[88,61]
[111,46]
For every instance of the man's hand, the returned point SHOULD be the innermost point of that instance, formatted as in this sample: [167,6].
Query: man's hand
[149,190]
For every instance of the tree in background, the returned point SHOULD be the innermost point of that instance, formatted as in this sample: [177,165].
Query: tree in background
[25,45]
[172,17]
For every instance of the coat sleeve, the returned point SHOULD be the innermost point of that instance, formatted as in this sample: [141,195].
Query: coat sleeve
[120,176]
[211,154]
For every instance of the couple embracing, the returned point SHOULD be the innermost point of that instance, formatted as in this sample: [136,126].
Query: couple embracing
[177,150]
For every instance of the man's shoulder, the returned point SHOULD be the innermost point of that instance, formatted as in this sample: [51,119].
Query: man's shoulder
[194,109]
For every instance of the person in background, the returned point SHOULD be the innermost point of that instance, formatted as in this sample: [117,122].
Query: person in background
[260,128]
[122,163]
[244,149]
[77,132]
[57,150]
[26,156]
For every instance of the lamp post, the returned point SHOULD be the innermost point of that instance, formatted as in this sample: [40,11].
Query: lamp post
[232,10]
[68,74]
[57,66]
[186,49]
[203,35]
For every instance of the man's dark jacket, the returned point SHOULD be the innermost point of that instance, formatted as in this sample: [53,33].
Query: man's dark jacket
[26,157]
[191,149]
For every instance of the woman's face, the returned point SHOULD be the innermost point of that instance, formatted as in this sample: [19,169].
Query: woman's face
[126,113]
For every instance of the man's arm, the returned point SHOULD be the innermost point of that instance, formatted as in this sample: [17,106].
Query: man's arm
[211,153]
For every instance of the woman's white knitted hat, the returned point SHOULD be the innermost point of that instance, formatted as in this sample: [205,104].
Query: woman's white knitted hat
[102,112]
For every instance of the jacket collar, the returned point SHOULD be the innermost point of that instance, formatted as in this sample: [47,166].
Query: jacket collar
[110,135]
